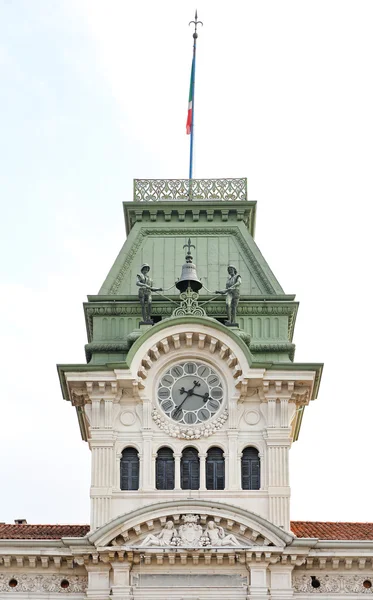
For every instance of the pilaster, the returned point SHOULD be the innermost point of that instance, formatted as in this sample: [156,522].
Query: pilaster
[280,582]
[98,582]
[121,589]
[258,587]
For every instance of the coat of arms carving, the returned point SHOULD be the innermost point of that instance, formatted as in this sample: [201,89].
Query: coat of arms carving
[191,535]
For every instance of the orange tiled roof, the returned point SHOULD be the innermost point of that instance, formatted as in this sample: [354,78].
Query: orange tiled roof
[323,530]
[330,530]
[41,532]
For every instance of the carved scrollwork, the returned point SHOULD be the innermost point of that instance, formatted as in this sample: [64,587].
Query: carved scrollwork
[25,582]
[331,584]
[189,305]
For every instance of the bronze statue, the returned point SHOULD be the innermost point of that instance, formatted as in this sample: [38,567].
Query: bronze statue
[145,293]
[232,293]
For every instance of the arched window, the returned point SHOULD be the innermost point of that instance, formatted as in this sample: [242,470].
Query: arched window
[129,469]
[250,469]
[215,469]
[189,469]
[165,469]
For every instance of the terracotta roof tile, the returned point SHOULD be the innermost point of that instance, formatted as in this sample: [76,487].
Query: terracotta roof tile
[41,532]
[330,530]
[323,530]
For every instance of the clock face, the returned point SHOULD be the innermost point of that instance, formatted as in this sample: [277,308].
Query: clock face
[190,392]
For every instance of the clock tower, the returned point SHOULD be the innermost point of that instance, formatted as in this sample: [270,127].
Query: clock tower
[190,401]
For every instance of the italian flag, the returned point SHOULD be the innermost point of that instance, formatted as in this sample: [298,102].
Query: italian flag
[190,103]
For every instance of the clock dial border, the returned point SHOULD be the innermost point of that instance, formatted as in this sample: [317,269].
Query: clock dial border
[203,398]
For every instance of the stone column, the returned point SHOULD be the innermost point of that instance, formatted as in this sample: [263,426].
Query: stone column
[148,475]
[177,458]
[202,471]
[232,464]
[121,589]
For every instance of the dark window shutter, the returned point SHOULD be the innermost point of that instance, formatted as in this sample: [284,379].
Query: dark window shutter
[220,475]
[165,469]
[209,475]
[129,469]
[215,469]
[189,472]
[250,469]
[123,475]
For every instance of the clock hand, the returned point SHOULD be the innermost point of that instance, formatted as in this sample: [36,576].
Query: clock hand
[204,396]
[184,391]
[188,393]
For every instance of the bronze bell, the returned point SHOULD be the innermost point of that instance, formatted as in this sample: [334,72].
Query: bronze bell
[189,275]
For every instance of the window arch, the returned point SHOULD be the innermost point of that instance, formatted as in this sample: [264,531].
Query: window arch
[189,472]
[215,469]
[165,469]
[250,469]
[129,469]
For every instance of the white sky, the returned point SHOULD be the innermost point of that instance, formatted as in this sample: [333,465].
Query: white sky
[93,94]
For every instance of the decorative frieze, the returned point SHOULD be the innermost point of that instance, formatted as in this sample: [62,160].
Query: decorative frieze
[47,584]
[333,584]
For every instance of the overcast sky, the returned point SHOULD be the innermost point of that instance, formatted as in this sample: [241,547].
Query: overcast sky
[94,93]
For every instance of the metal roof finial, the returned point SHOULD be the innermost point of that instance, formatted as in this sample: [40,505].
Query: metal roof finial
[196,23]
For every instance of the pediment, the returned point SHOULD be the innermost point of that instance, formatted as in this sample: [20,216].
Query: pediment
[190,523]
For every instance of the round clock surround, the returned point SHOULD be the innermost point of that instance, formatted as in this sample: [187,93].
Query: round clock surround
[190,392]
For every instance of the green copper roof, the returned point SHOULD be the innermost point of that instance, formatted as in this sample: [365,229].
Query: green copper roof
[218,243]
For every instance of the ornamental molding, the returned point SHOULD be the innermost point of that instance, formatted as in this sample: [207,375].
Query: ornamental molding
[189,433]
[46,584]
[216,308]
[332,584]
[188,340]
[273,347]
[213,231]
[131,308]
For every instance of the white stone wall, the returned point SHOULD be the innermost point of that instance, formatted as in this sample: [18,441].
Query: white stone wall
[120,410]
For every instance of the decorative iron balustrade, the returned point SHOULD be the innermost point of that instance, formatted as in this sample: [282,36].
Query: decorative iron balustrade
[157,190]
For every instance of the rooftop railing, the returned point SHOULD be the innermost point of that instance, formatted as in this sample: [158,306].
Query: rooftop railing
[159,190]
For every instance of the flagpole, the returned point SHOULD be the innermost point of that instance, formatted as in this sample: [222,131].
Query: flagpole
[193,75]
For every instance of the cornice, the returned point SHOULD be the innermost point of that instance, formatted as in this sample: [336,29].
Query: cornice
[167,212]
